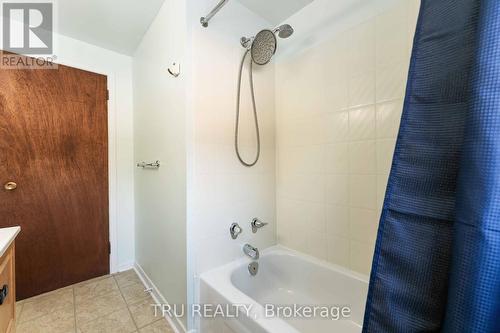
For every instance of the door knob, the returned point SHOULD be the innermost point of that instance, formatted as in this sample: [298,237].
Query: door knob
[10,186]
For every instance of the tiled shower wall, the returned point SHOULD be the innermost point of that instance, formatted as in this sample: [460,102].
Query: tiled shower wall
[338,110]
[224,190]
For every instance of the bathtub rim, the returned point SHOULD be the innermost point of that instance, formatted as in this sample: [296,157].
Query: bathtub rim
[219,280]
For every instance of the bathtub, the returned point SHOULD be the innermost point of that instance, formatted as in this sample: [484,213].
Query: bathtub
[285,278]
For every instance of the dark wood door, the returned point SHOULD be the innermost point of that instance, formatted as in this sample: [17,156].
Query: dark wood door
[54,146]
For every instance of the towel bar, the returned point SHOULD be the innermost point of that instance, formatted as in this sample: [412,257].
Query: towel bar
[153,165]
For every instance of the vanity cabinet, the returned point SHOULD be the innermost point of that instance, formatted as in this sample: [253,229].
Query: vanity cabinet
[7,291]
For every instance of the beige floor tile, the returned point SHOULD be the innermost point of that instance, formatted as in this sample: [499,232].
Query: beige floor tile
[160,326]
[126,278]
[91,280]
[116,322]
[57,321]
[94,308]
[19,309]
[144,313]
[134,293]
[47,303]
[96,288]
[47,294]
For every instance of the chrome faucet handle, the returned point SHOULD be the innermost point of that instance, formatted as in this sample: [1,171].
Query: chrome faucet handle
[251,251]
[235,230]
[257,224]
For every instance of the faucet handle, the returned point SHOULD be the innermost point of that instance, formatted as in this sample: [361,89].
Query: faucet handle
[235,230]
[257,224]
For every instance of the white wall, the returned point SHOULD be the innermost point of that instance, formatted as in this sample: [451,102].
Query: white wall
[339,102]
[223,190]
[118,69]
[160,134]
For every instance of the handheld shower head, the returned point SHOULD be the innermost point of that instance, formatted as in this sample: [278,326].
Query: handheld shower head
[262,46]
[284,31]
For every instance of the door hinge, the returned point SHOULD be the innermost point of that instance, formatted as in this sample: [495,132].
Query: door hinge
[109,247]
[107,95]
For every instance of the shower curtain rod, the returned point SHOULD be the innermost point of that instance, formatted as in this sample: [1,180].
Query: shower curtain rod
[204,20]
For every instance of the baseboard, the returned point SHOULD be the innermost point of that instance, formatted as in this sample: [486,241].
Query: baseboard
[125,266]
[176,324]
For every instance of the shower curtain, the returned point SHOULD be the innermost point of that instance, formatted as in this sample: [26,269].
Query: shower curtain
[436,266]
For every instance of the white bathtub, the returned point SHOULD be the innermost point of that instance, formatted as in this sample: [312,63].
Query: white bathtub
[285,277]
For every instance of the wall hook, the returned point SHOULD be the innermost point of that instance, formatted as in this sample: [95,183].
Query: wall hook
[175,69]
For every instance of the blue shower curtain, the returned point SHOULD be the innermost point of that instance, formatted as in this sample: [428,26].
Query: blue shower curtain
[436,266]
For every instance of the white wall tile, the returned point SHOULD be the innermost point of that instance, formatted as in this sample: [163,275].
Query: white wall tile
[362,123]
[336,127]
[302,214]
[338,108]
[363,191]
[339,250]
[317,244]
[388,118]
[363,157]
[336,57]
[362,89]
[362,48]
[413,11]
[392,34]
[302,160]
[381,189]
[336,96]
[363,224]
[312,130]
[391,81]
[385,152]
[337,158]
[337,189]
[295,238]
[361,256]
[303,187]
[337,220]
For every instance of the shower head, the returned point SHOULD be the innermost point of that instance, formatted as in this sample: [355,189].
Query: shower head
[263,47]
[284,31]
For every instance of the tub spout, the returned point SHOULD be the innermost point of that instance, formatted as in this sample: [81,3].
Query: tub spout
[251,251]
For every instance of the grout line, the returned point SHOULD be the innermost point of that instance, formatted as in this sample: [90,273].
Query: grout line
[72,287]
[102,295]
[154,322]
[74,309]
[18,321]
[128,306]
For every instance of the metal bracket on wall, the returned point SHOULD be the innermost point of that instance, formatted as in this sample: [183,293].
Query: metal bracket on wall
[175,69]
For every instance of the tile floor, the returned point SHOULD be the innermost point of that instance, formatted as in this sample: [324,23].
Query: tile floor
[109,304]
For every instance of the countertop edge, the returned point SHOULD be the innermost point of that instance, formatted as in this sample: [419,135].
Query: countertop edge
[7,236]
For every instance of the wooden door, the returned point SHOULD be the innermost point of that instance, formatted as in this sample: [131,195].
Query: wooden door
[54,146]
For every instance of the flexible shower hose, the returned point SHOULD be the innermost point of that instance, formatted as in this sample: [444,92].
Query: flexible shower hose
[252,93]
